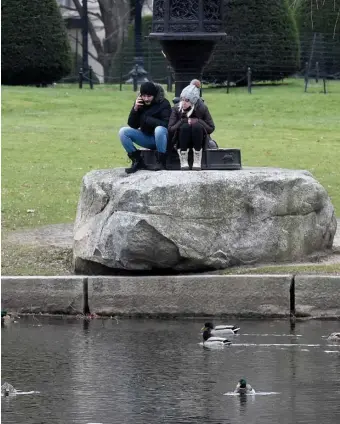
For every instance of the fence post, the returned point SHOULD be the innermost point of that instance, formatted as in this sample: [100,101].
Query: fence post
[121,65]
[121,74]
[317,72]
[169,80]
[306,76]
[324,86]
[81,78]
[135,78]
[91,76]
[249,79]
[228,81]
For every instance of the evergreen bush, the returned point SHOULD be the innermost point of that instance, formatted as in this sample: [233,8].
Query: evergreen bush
[262,35]
[35,48]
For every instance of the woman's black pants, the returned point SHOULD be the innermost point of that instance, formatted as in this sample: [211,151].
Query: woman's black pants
[190,136]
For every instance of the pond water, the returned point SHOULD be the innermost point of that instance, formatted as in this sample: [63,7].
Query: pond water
[154,371]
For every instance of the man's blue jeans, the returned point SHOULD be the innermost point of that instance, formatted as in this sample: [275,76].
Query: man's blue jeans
[158,141]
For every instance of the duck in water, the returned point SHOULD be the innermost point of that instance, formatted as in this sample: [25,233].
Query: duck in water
[243,388]
[334,337]
[7,389]
[221,330]
[6,318]
[210,340]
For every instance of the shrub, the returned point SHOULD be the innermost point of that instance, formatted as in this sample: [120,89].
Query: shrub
[262,35]
[35,47]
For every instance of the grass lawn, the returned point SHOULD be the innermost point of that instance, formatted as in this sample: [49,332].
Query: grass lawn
[51,137]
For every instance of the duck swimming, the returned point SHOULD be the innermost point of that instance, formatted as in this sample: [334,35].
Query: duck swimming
[334,337]
[210,340]
[222,329]
[6,318]
[243,388]
[7,389]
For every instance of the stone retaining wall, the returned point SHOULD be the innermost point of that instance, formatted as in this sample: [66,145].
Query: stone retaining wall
[317,296]
[244,296]
[52,295]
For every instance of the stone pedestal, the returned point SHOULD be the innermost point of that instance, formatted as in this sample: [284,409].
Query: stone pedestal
[187,33]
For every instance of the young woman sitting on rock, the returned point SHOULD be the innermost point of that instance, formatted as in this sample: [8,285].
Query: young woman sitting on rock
[190,123]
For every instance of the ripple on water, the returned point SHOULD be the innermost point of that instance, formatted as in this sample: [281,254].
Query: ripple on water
[252,394]
[154,371]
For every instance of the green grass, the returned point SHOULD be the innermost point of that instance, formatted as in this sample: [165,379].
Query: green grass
[51,137]
[17,259]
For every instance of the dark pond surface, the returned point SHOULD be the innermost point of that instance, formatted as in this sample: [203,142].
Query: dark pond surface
[150,371]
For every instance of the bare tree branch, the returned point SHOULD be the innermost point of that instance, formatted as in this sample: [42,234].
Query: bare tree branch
[336,23]
[111,17]
[72,9]
[95,39]
[81,45]
[93,56]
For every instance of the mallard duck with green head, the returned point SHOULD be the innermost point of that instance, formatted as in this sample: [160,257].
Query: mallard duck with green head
[243,388]
[210,340]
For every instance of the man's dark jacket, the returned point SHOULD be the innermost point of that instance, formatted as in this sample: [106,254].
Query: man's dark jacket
[147,118]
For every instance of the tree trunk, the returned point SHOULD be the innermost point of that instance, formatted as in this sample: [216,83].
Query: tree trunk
[113,17]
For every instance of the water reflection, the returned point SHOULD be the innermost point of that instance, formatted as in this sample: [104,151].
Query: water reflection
[148,371]
[243,399]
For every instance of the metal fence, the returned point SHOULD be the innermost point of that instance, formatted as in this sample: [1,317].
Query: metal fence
[319,58]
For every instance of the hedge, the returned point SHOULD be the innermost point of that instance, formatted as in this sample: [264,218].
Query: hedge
[262,35]
[35,47]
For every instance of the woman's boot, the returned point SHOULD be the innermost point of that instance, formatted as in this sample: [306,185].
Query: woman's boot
[197,164]
[183,157]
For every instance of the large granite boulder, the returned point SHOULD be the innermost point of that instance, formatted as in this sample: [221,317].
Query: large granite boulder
[200,220]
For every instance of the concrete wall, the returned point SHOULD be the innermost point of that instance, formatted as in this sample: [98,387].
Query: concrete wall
[42,294]
[317,296]
[245,296]
[191,295]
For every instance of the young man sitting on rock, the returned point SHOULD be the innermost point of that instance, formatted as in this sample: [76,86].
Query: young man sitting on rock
[148,122]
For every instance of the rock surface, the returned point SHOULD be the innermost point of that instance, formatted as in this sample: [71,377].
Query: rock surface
[200,220]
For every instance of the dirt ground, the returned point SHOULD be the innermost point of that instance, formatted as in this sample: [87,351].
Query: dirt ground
[58,235]
[47,250]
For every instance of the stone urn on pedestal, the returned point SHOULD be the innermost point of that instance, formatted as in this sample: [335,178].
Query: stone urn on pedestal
[188,32]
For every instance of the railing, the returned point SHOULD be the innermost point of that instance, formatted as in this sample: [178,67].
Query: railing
[319,59]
